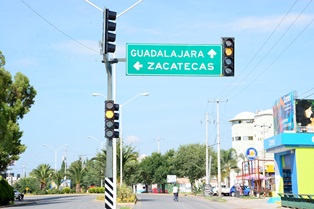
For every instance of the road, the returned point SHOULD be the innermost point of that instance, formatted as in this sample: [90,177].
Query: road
[59,201]
[159,201]
[145,201]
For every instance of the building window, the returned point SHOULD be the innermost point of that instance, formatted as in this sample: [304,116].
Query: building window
[237,138]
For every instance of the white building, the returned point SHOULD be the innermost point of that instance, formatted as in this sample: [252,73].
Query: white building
[249,130]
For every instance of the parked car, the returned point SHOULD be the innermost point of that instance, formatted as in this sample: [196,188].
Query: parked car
[224,190]
[245,190]
[18,195]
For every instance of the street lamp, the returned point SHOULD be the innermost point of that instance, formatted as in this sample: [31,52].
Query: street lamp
[120,131]
[98,94]
[100,142]
[55,150]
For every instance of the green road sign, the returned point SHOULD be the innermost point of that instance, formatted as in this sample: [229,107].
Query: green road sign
[173,59]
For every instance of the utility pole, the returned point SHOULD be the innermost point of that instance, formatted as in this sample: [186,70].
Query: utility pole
[158,145]
[24,172]
[218,146]
[264,152]
[207,170]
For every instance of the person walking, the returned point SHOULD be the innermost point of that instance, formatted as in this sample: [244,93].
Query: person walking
[175,191]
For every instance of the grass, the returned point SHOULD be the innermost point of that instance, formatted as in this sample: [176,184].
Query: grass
[216,199]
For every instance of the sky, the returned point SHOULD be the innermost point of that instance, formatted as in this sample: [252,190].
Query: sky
[56,45]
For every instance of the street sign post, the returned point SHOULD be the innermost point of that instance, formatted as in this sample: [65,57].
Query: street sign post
[173,60]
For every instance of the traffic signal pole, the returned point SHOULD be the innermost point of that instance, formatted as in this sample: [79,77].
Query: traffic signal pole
[109,26]
[110,184]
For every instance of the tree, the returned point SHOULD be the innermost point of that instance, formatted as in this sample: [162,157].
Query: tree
[229,161]
[155,168]
[100,164]
[42,174]
[77,172]
[94,174]
[129,158]
[190,161]
[148,167]
[57,177]
[16,99]
[31,183]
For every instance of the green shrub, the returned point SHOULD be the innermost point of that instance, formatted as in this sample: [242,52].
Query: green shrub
[96,190]
[91,190]
[6,192]
[41,192]
[66,190]
[125,195]
[54,191]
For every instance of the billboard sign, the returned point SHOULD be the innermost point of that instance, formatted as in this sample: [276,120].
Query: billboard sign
[171,178]
[304,109]
[283,111]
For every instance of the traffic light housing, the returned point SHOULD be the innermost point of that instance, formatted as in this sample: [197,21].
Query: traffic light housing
[109,31]
[111,119]
[227,56]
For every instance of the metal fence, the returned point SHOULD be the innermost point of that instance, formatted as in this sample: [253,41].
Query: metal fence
[305,201]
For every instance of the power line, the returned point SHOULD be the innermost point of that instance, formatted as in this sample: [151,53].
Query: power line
[308,96]
[307,92]
[259,75]
[55,27]
[282,52]
[258,51]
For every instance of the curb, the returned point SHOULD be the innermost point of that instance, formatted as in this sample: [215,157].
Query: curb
[17,204]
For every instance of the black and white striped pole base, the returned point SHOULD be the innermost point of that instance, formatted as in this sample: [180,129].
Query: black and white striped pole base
[109,198]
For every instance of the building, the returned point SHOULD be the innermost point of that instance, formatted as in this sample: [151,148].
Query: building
[249,131]
[293,145]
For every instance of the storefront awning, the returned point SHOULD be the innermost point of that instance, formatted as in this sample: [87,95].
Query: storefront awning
[254,176]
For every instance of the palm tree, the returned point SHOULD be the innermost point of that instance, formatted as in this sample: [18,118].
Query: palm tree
[42,174]
[76,172]
[229,161]
[57,177]
[129,156]
[101,163]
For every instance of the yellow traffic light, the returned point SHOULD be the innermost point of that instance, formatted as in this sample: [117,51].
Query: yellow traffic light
[111,119]
[227,56]
[109,114]
[228,51]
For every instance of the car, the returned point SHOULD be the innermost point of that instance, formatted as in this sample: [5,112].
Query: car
[18,195]
[245,190]
[224,190]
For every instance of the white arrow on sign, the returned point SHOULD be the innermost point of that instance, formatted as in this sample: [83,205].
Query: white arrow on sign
[212,53]
[137,65]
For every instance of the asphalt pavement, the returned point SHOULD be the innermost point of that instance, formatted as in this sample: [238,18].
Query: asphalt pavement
[235,203]
[230,202]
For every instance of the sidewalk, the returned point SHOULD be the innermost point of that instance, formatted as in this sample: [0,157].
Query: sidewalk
[251,203]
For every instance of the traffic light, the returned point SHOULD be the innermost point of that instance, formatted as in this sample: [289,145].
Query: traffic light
[109,30]
[227,56]
[111,117]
